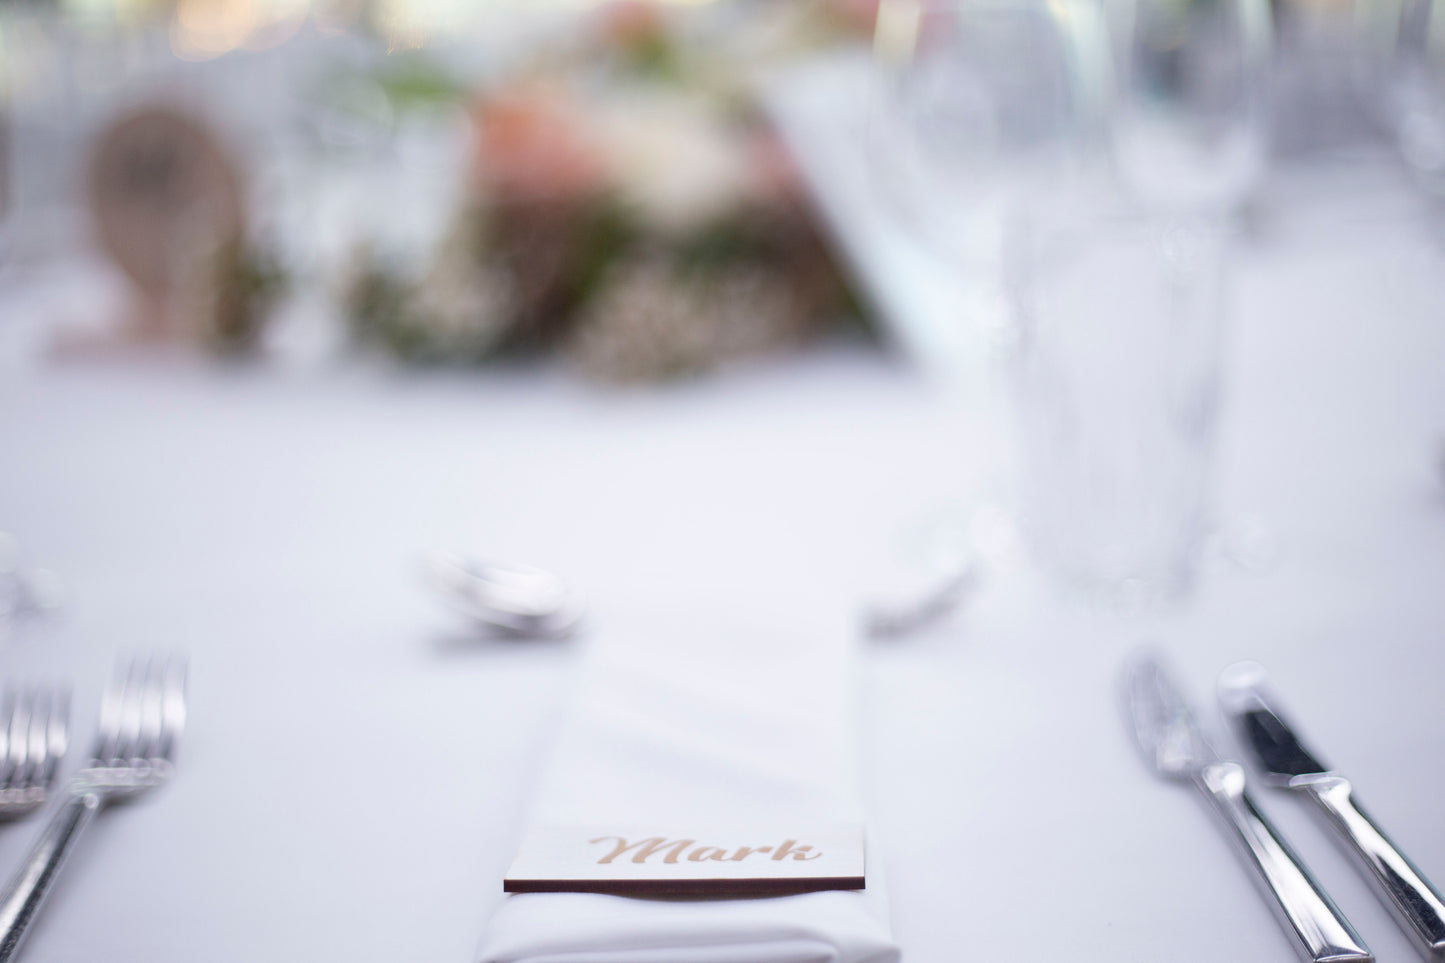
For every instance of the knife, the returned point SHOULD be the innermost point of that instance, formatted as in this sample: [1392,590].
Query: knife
[1251,706]
[1172,742]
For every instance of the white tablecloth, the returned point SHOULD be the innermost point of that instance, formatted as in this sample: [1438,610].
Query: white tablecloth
[358,767]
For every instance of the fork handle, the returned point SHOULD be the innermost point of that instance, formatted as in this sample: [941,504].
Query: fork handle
[1321,933]
[23,896]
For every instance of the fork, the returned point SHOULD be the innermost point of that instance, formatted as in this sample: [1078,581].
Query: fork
[141,718]
[32,744]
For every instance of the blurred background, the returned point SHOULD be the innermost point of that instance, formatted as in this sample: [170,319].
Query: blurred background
[645,190]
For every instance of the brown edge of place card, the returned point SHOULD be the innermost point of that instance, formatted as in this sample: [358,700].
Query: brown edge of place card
[709,888]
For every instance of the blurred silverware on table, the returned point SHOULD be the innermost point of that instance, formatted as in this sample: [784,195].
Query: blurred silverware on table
[141,718]
[1251,706]
[923,606]
[33,743]
[25,592]
[518,601]
[940,569]
[1174,745]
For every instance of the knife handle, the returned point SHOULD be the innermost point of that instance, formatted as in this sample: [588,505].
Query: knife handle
[1321,932]
[1412,897]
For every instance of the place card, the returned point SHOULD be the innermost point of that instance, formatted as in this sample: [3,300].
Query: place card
[632,861]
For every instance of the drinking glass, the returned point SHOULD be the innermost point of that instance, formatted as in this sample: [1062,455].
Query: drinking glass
[1117,376]
[1189,117]
[1415,88]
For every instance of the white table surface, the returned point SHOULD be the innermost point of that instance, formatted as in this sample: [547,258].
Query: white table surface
[357,768]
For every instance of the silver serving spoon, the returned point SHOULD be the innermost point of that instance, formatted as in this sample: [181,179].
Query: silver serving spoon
[511,599]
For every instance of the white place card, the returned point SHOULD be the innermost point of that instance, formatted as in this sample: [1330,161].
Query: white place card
[632,861]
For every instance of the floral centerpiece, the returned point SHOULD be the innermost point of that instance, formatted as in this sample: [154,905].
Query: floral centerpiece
[627,207]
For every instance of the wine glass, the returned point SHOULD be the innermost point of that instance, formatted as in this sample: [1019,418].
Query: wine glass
[984,110]
[1415,89]
[1190,101]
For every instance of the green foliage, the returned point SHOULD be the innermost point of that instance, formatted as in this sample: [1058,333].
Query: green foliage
[245,283]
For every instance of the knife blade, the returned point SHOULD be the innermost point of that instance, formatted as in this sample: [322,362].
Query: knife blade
[1252,707]
[1172,742]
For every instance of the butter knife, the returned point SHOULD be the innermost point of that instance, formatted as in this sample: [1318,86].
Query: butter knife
[1172,742]
[1252,708]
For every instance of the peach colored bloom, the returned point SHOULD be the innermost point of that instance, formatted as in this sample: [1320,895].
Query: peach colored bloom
[529,145]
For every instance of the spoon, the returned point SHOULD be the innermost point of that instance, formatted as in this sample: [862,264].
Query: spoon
[24,592]
[922,606]
[514,600]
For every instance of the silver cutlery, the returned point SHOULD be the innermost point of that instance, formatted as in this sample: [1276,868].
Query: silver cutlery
[1173,743]
[517,600]
[33,743]
[25,593]
[924,606]
[1252,708]
[141,718]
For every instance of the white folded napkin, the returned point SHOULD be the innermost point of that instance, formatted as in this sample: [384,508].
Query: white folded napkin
[704,719]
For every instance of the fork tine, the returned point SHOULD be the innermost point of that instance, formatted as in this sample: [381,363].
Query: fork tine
[108,730]
[15,738]
[173,708]
[5,710]
[128,745]
[56,735]
[36,747]
[150,711]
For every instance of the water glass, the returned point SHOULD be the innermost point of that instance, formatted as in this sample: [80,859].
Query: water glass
[1117,377]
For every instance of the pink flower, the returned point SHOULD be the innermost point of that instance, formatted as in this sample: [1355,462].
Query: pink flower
[529,147]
